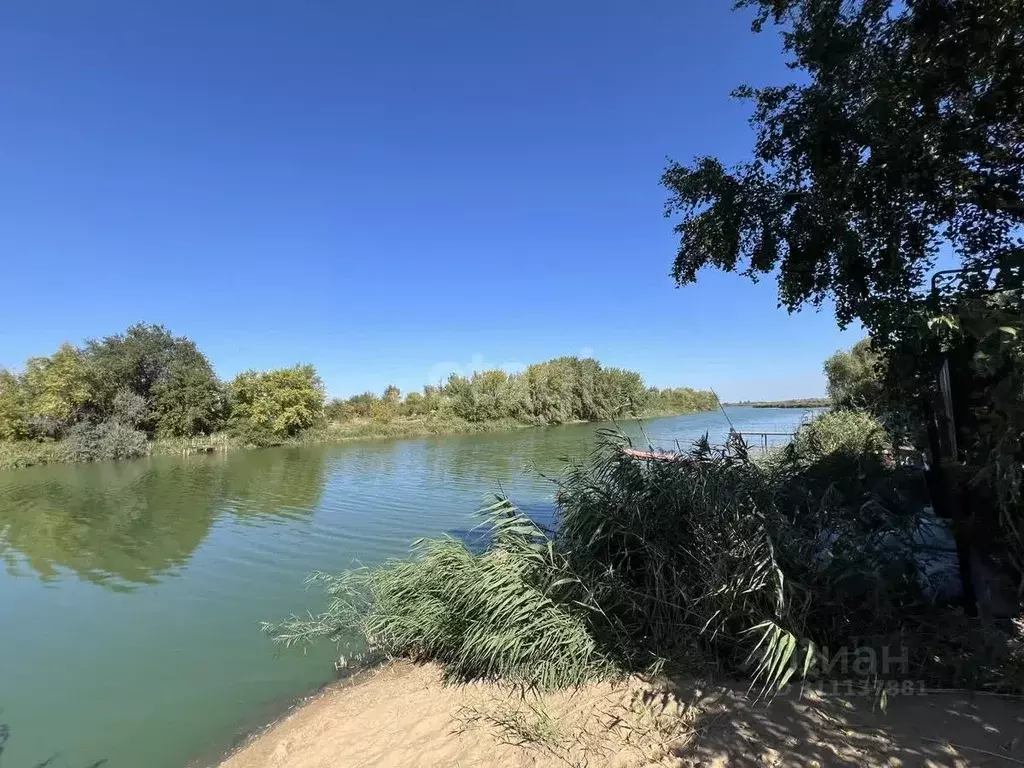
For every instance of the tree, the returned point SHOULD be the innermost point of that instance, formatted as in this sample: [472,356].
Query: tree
[853,377]
[281,403]
[620,393]
[58,389]
[135,360]
[415,404]
[392,395]
[169,372]
[188,399]
[904,134]
[12,407]
[336,409]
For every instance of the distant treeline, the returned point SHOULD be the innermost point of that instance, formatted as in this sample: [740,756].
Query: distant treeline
[559,391]
[110,397]
[807,402]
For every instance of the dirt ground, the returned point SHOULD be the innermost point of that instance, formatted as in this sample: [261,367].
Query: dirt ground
[402,715]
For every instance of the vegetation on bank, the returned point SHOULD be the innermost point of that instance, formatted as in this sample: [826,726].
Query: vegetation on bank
[146,391]
[703,563]
[896,150]
[559,391]
[805,402]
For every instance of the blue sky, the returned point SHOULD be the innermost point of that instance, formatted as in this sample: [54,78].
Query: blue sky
[387,190]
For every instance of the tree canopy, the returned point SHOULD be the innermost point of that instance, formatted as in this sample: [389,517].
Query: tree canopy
[13,425]
[282,402]
[557,391]
[105,399]
[58,388]
[902,136]
[853,377]
[898,149]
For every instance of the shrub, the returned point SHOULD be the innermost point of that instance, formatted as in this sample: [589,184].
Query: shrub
[82,442]
[108,440]
[27,453]
[118,441]
[129,409]
[283,402]
[842,431]
[254,435]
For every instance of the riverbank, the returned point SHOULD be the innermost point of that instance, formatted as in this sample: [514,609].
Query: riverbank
[403,715]
[27,453]
[807,402]
[171,564]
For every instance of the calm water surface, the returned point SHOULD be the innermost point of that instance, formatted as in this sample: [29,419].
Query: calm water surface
[132,592]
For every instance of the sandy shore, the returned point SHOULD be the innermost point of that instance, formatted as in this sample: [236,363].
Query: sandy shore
[402,715]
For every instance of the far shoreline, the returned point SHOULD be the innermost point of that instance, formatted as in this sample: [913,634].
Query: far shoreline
[807,402]
[23,454]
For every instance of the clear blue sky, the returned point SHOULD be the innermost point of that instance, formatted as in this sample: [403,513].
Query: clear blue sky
[387,190]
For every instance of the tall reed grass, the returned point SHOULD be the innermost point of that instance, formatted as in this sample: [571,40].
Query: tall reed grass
[704,562]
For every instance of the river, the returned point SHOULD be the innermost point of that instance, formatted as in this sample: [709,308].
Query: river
[132,592]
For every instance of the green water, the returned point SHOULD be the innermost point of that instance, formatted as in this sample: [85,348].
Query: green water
[132,592]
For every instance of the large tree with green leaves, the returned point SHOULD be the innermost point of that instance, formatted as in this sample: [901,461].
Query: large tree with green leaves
[188,399]
[903,134]
[13,424]
[278,403]
[169,372]
[58,389]
[854,379]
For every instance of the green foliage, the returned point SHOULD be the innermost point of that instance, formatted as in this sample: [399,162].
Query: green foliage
[134,360]
[58,388]
[558,391]
[108,440]
[513,613]
[29,453]
[168,372]
[13,425]
[901,136]
[484,396]
[383,411]
[707,561]
[682,400]
[356,407]
[281,403]
[129,409]
[902,133]
[144,381]
[415,404]
[842,431]
[979,333]
[189,400]
[855,378]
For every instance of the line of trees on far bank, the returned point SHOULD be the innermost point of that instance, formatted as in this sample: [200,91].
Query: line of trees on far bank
[558,391]
[109,397]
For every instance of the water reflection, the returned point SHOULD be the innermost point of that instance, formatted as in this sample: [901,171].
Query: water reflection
[128,523]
